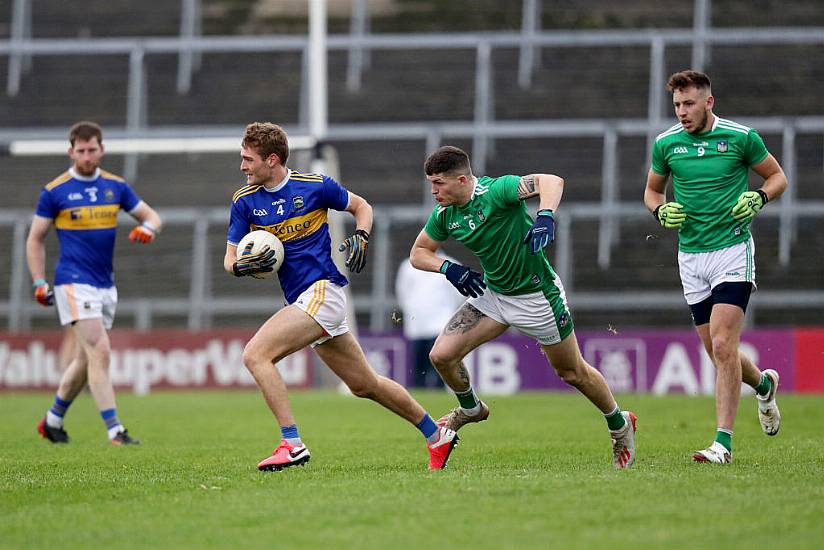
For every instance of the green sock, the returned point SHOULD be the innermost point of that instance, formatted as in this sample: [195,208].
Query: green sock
[763,387]
[724,437]
[615,420]
[468,399]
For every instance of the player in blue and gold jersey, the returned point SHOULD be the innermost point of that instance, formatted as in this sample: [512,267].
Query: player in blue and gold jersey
[294,206]
[83,204]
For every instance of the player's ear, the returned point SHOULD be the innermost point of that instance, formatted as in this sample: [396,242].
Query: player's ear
[272,160]
[710,101]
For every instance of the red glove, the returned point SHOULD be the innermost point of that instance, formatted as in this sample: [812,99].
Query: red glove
[143,233]
[42,293]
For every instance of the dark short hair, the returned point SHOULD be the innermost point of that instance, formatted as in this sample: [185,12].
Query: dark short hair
[688,79]
[84,131]
[267,138]
[447,160]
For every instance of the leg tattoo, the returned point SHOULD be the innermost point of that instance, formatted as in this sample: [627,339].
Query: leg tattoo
[464,320]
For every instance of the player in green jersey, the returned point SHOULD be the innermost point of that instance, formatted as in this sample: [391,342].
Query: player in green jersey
[519,287]
[709,158]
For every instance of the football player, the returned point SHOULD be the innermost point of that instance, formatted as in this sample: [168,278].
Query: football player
[294,206]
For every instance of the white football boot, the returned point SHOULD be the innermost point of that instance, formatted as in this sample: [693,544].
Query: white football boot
[768,413]
[623,443]
[715,454]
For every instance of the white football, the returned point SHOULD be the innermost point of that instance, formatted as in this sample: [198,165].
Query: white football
[259,239]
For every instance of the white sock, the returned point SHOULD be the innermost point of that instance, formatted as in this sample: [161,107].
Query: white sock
[473,411]
[114,430]
[53,420]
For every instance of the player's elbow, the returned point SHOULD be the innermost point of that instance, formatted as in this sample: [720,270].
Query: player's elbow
[415,257]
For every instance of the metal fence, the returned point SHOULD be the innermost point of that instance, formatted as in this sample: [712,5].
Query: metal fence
[483,129]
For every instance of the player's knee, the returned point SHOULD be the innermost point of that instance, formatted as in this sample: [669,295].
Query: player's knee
[724,348]
[440,357]
[576,375]
[365,388]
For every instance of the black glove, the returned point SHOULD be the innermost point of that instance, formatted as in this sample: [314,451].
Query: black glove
[249,264]
[356,246]
[468,282]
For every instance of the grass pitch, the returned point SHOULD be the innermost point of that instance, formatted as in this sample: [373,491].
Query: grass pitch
[536,475]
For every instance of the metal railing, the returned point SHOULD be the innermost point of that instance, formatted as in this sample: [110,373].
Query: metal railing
[198,305]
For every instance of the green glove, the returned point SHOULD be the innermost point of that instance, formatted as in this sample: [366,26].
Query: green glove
[748,205]
[670,215]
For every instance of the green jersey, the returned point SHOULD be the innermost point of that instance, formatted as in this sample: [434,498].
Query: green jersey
[709,172]
[493,225]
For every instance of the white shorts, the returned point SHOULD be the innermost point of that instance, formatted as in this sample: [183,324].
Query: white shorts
[325,302]
[703,271]
[78,301]
[540,315]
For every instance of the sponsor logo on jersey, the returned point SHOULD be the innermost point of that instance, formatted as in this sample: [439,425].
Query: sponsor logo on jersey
[722,146]
[680,150]
[297,227]
[298,202]
[260,212]
[454,225]
[277,202]
[89,217]
[109,195]
[75,196]
[481,216]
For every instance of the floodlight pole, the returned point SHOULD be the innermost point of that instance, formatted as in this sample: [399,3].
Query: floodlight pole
[318,94]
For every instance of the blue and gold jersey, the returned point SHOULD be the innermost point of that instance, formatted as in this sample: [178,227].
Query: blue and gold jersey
[84,211]
[295,211]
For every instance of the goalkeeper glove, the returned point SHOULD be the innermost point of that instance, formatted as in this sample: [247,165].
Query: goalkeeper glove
[249,264]
[468,282]
[748,205]
[42,293]
[542,232]
[670,215]
[356,247]
[143,233]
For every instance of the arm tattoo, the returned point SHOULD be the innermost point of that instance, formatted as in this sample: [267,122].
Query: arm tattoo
[464,320]
[526,187]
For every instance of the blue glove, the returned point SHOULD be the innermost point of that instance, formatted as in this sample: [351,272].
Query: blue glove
[468,282]
[356,245]
[249,264]
[542,232]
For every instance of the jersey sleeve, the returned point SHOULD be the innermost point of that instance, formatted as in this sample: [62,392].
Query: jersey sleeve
[238,223]
[435,227]
[659,161]
[335,196]
[45,205]
[504,190]
[128,198]
[754,151]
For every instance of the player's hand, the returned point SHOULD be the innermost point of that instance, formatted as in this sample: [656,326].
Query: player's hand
[542,232]
[143,233]
[468,282]
[748,205]
[42,293]
[249,263]
[670,215]
[356,247]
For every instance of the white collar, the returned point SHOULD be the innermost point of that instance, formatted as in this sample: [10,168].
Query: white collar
[282,183]
[73,173]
